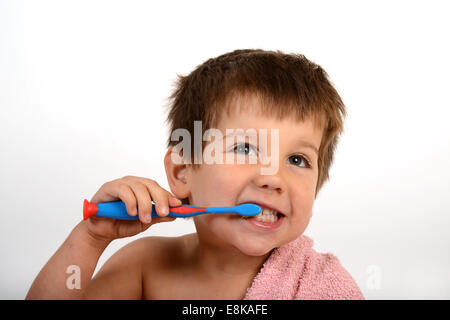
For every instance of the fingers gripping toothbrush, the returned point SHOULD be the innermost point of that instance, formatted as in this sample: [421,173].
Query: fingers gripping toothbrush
[117,210]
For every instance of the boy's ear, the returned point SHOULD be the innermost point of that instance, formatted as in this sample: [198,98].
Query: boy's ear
[176,176]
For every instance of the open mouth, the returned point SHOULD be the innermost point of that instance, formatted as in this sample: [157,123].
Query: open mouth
[267,215]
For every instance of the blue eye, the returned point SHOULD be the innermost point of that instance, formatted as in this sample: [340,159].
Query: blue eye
[243,147]
[298,159]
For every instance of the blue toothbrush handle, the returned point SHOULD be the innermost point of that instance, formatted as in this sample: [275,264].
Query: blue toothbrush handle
[118,210]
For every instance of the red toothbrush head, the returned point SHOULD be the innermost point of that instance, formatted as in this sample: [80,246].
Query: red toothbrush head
[89,209]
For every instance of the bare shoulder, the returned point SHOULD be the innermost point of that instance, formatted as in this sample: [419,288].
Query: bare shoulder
[162,267]
[124,274]
[139,255]
[160,251]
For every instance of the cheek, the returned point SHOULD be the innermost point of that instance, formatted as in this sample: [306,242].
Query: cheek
[301,213]
[302,200]
[215,227]
[216,184]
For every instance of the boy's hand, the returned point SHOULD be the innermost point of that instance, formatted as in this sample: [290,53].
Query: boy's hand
[137,193]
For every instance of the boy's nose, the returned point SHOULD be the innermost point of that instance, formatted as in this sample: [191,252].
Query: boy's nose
[270,182]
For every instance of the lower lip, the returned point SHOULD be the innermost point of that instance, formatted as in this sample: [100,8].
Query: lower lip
[265,225]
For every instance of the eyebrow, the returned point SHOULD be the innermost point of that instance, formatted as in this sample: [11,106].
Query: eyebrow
[308,145]
[234,134]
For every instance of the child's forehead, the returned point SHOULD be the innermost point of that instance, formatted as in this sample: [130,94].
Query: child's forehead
[253,108]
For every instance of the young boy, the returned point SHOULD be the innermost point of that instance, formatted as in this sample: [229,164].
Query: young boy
[264,257]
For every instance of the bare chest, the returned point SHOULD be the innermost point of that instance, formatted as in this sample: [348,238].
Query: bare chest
[174,286]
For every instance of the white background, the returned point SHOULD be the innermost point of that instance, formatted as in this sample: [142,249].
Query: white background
[82,89]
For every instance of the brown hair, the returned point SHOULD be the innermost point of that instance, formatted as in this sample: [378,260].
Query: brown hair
[288,85]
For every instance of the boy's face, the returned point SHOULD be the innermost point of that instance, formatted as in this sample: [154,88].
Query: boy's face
[290,190]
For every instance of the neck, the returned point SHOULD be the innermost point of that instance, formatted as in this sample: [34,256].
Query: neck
[219,260]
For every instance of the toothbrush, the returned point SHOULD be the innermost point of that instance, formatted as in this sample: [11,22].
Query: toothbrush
[117,210]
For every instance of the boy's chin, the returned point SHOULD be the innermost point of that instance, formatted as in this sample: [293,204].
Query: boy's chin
[255,250]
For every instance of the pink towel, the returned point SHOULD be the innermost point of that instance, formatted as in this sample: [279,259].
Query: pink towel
[296,271]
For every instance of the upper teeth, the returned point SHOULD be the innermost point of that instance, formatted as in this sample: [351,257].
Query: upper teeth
[267,215]
[266,211]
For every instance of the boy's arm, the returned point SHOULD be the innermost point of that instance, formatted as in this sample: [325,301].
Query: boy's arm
[67,274]
[119,278]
